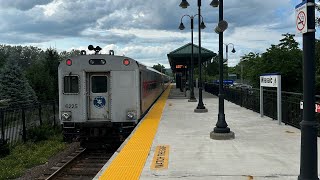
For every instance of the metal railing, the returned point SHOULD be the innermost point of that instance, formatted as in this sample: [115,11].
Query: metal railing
[250,98]
[15,122]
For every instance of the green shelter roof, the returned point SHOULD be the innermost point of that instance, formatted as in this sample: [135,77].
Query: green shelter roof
[182,56]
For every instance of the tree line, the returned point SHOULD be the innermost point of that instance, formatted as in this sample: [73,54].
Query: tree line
[29,74]
[285,58]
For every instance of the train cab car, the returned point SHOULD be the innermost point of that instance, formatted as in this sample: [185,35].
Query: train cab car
[102,96]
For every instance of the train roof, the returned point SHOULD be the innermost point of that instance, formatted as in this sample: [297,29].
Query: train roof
[154,70]
[104,56]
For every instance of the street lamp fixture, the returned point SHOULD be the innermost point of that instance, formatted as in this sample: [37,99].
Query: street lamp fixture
[233,51]
[214,3]
[184,4]
[181,27]
[227,50]
[200,108]
[202,25]
[221,131]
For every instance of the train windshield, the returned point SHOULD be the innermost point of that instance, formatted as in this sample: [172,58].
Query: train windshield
[99,84]
[71,84]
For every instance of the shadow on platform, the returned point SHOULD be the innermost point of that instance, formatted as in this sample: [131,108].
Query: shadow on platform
[175,93]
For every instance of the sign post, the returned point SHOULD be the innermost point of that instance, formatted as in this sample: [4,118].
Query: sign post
[271,80]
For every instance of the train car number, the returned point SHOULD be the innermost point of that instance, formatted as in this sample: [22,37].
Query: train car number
[72,106]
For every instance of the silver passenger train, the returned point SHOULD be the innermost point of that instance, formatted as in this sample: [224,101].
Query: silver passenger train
[102,96]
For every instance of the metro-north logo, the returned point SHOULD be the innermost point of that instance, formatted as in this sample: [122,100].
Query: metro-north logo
[99,102]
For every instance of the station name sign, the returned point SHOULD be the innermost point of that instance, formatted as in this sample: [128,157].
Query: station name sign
[269,80]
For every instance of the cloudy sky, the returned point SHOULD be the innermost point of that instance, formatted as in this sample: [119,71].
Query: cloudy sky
[142,29]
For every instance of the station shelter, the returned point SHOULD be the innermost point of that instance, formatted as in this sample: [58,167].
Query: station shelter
[180,61]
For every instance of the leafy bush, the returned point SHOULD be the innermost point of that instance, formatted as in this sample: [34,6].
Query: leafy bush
[4,148]
[42,133]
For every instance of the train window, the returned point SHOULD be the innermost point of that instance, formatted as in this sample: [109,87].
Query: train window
[71,84]
[99,84]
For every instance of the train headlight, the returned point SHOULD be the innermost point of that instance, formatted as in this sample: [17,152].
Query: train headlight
[66,116]
[131,115]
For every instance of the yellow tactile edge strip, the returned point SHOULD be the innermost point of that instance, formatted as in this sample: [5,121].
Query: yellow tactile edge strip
[130,161]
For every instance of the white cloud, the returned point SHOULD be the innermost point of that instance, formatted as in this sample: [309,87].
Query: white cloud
[150,33]
[52,8]
[22,4]
[149,55]
[255,37]
[143,30]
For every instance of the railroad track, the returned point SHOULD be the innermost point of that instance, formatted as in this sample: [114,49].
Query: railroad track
[82,164]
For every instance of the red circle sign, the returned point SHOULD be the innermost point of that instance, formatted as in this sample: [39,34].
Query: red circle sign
[301,20]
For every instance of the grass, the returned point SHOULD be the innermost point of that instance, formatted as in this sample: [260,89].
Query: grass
[30,154]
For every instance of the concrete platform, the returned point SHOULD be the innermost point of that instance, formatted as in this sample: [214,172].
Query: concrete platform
[262,149]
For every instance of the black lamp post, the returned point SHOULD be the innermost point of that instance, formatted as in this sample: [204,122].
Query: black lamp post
[309,125]
[233,51]
[221,131]
[181,27]
[200,108]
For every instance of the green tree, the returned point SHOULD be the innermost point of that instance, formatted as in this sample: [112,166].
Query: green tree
[159,68]
[251,68]
[14,85]
[41,82]
[3,54]
[43,76]
[210,70]
[51,65]
[317,59]
[67,54]
[284,58]
[25,56]
[40,67]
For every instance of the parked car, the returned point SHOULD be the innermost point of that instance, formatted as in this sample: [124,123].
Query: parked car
[243,87]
